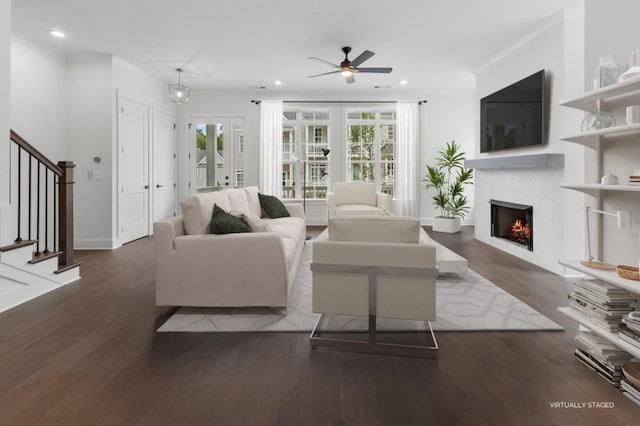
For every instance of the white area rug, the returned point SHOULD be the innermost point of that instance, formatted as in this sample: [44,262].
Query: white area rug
[463,303]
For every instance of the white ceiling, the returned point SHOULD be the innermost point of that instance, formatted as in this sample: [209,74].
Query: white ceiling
[238,44]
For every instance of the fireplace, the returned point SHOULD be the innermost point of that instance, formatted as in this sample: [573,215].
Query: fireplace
[512,222]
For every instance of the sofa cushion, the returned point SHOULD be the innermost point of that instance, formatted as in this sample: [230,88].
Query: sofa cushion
[288,227]
[253,200]
[357,209]
[198,208]
[272,207]
[237,200]
[256,223]
[382,229]
[226,223]
[355,193]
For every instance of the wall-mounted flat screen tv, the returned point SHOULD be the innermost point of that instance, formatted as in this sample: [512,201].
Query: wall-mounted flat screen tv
[514,117]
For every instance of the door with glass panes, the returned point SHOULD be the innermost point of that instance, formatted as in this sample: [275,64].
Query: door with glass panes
[216,157]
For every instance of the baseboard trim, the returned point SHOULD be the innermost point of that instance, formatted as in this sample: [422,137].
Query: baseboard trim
[94,245]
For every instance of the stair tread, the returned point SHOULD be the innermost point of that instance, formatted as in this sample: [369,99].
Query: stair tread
[15,246]
[68,267]
[37,258]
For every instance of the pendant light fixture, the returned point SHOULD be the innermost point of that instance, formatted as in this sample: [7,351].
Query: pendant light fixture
[179,92]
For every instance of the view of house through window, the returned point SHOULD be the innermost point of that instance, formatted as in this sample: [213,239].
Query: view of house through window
[305,134]
[218,157]
[368,146]
[371,148]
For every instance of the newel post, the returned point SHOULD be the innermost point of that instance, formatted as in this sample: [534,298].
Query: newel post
[65,213]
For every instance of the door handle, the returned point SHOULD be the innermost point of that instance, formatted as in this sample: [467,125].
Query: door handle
[159,186]
[146,187]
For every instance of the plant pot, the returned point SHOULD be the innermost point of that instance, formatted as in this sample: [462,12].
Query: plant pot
[446,224]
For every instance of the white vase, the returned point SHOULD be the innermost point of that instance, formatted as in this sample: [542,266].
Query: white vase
[445,224]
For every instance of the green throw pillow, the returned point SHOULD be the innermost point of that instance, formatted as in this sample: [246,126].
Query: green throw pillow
[272,207]
[225,223]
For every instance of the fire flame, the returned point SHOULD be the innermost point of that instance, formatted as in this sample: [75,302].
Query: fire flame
[520,231]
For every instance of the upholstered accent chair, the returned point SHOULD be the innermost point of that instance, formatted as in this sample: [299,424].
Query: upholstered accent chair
[375,266]
[357,198]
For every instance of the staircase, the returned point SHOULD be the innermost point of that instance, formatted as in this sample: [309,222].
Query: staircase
[40,216]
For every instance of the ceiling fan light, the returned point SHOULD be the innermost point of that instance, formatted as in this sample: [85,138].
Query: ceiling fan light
[178,92]
[346,73]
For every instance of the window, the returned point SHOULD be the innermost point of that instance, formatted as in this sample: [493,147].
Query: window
[366,152]
[304,166]
[371,148]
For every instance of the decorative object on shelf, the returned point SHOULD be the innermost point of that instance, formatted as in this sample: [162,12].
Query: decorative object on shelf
[607,72]
[609,179]
[179,92]
[633,114]
[598,120]
[634,71]
[628,272]
[448,177]
[632,372]
[624,222]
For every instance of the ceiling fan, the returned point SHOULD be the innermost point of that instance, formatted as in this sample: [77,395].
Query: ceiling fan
[347,67]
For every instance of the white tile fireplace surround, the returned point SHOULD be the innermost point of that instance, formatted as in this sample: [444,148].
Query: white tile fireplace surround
[530,180]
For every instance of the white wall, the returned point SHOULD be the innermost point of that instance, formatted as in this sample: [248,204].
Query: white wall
[445,117]
[90,133]
[556,47]
[6,223]
[615,30]
[39,97]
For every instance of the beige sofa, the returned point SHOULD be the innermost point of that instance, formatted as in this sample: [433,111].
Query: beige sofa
[357,198]
[376,266]
[195,268]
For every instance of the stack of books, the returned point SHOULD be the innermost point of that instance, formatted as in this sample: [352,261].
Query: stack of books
[603,357]
[630,329]
[601,303]
[634,180]
[630,382]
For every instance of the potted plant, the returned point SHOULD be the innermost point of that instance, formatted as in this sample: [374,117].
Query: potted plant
[448,177]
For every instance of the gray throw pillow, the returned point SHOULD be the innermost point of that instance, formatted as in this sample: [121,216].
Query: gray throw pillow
[272,207]
[225,223]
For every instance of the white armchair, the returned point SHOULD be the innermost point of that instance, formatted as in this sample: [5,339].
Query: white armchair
[356,198]
[375,266]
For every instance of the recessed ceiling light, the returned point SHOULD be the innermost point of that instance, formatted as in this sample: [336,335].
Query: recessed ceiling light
[403,82]
[277,82]
[56,33]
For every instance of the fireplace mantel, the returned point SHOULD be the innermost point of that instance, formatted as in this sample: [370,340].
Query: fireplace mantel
[535,161]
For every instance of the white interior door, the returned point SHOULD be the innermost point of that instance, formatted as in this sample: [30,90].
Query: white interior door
[133,146]
[164,166]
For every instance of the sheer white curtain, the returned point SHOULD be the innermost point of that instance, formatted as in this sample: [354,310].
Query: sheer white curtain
[407,156]
[271,148]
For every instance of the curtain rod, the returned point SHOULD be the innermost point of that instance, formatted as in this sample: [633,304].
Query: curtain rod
[253,101]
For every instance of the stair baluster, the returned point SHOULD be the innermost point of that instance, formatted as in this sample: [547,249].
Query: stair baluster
[60,178]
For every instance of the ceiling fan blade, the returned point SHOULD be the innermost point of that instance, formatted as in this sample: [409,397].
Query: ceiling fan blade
[323,61]
[349,79]
[324,73]
[378,70]
[362,57]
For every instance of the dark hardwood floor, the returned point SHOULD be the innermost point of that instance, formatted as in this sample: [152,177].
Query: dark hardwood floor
[88,354]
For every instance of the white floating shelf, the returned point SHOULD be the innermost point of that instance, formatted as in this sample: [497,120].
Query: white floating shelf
[593,188]
[604,275]
[589,101]
[591,138]
[611,337]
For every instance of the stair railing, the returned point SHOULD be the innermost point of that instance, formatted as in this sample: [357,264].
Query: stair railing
[48,187]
